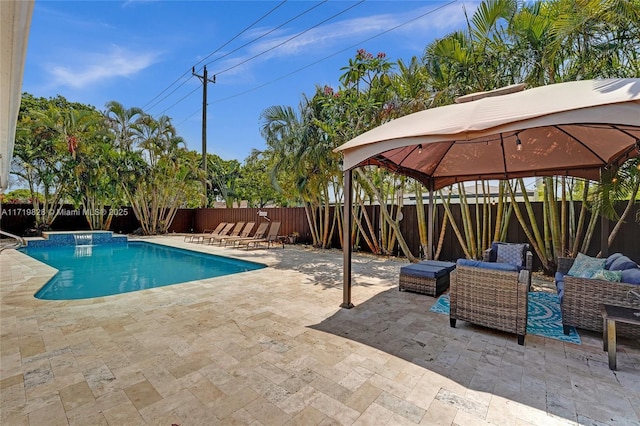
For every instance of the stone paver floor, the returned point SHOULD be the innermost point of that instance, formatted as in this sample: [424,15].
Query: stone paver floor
[272,347]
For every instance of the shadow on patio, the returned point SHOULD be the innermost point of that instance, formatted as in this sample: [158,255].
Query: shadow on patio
[569,381]
[321,267]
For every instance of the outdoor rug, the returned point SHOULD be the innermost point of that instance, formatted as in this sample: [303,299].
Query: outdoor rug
[544,316]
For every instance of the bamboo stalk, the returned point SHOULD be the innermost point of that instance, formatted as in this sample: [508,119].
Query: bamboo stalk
[401,242]
[454,226]
[581,220]
[420,216]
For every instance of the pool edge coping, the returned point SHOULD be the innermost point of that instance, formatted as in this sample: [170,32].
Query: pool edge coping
[42,279]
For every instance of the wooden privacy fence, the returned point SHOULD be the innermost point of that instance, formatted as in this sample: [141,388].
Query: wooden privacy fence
[15,219]
[294,220]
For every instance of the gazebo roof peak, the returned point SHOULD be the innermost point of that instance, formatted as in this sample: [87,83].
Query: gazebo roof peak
[513,88]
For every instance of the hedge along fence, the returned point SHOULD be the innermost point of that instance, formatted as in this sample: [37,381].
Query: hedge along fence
[19,218]
[15,219]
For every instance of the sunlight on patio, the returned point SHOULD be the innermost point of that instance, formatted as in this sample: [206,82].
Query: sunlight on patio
[273,346]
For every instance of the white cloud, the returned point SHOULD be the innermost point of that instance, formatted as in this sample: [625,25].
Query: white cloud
[446,19]
[343,33]
[92,68]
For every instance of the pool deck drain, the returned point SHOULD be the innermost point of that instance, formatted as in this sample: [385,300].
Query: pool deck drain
[273,347]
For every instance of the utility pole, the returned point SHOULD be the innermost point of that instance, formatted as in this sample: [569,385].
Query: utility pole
[204,79]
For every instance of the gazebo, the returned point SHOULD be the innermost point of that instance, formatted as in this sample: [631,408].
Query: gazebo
[574,129]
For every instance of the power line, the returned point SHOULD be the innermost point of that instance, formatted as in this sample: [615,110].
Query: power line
[326,57]
[233,51]
[316,62]
[268,32]
[290,38]
[188,117]
[169,94]
[240,33]
[274,47]
[180,100]
[207,57]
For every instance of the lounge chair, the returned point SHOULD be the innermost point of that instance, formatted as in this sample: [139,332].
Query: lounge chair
[206,232]
[246,233]
[225,230]
[234,232]
[259,234]
[238,232]
[271,238]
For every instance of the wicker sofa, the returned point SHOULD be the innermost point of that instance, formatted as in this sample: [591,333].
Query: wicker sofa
[491,294]
[582,298]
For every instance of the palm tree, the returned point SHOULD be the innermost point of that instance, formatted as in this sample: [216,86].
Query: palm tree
[473,60]
[170,173]
[154,137]
[616,186]
[410,88]
[595,38]
[121,121]
[304,156]
[71,128]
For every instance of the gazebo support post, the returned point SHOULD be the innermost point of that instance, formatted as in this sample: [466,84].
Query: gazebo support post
[346,240]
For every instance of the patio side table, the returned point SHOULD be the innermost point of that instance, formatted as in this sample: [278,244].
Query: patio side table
[610,315]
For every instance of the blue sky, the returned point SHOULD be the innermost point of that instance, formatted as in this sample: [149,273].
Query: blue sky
[140,53]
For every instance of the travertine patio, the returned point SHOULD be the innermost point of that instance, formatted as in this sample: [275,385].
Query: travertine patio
[273,347]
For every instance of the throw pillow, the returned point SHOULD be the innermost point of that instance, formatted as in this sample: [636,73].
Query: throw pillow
[585,266]
[631,276]
[622,263]
[611,259]
[603,274]
[510,253]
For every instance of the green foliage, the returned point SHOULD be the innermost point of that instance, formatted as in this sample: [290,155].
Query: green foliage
[18,196]
[47,134]
[70,152]
[304,165]
[254,184]
[223,177]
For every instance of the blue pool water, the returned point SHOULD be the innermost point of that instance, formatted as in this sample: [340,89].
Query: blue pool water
[104,270]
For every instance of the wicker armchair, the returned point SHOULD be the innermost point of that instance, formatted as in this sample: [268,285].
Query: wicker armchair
[491,298]
[583,298]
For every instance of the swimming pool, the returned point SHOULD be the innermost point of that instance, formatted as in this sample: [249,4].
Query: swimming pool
[103,270]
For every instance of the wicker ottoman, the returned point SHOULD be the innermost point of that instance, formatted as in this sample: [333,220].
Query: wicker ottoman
[430,277]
